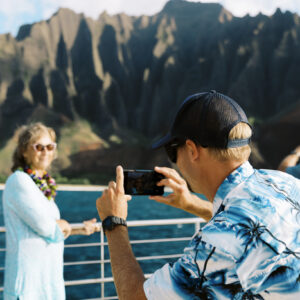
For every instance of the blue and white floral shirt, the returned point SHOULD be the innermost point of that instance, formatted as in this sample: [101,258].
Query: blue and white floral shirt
[250,249]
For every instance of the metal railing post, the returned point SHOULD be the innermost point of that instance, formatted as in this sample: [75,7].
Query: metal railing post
[197,226]
[102,267]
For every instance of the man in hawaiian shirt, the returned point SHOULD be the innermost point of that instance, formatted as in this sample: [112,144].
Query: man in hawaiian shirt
[249,249]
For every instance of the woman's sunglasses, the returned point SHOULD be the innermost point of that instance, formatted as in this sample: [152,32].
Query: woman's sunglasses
[40,147]
[172,149]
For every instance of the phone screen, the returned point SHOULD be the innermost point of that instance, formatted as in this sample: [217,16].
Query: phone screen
[142,182]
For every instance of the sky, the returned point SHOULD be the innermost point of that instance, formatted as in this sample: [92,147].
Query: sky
[14,13]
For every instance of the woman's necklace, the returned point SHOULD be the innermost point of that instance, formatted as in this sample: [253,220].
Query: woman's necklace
[45,183]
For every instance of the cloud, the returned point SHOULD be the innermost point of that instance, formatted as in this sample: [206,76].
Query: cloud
[253,7]
[14,13]
[13,7]
[93,8]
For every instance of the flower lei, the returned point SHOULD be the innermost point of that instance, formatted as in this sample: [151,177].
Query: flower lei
[45,183]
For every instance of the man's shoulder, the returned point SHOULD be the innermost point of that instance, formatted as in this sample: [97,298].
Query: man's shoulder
[281,183]
[265,183]
[266,203]
[276,175]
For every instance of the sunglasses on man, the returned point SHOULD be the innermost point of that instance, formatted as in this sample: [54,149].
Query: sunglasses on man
[40,147]
[172,149]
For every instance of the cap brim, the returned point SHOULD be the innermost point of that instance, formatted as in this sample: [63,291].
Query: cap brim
[163,141]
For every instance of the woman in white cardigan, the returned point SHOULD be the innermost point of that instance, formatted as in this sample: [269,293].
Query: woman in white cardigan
[35,232]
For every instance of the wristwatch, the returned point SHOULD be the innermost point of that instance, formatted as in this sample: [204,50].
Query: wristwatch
[111,222]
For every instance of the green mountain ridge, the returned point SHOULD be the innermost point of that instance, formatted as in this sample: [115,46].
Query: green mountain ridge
[123,78]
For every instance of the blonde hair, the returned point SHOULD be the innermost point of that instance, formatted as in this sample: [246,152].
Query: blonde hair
[27,135]
[239,131]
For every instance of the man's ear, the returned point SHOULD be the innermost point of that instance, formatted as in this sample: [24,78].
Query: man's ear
[193,150]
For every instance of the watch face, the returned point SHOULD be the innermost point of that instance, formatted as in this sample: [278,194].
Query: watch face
[111,222]
[108,224]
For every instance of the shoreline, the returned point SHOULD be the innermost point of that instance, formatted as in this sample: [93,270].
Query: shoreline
[73,187]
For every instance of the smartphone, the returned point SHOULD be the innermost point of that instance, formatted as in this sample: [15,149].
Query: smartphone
[142,182]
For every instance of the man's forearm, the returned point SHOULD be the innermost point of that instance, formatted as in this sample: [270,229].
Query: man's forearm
[127,273]
[200,207]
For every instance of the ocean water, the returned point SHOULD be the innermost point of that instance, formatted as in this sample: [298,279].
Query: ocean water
[78,206]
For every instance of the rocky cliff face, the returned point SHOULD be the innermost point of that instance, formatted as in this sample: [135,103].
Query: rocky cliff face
[127,75]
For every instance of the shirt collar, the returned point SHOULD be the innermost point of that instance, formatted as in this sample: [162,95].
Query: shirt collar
[233,179]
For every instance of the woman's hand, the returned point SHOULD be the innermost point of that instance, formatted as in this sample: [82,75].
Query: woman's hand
[65,227]
[181,197]
[90,226]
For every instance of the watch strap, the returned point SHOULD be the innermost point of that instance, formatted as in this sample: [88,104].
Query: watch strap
[110,222]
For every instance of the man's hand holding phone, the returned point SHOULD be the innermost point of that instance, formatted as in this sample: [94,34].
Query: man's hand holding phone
[113,201]
[181,197]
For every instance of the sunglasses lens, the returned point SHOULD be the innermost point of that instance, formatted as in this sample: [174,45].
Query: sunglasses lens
[172,149]
[172,152]
[39,147]
[51,147]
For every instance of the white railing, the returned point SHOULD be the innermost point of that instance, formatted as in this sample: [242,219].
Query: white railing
[102,280]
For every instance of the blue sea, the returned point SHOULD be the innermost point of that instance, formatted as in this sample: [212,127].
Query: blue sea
[78,206]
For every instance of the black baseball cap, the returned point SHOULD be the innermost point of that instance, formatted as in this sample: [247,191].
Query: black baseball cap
[207,119]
